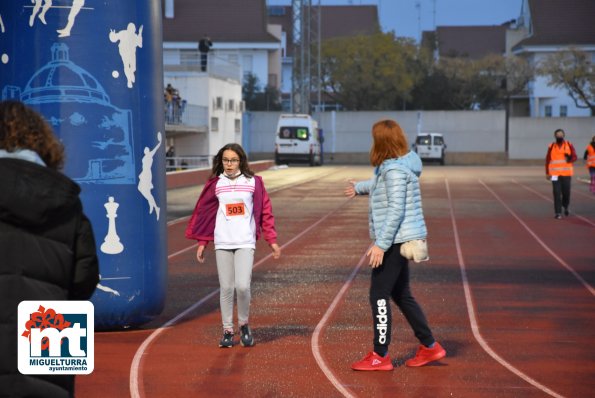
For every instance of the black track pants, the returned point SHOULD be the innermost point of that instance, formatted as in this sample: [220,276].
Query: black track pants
[391,280]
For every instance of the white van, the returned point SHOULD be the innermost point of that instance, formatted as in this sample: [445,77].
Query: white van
[298,139]
[430,146]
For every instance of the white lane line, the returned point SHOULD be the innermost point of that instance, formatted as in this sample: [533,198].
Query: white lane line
[471,308]
[136,382]
[592,197]
[170,256]
[314,342]
[551,201]
[542,243]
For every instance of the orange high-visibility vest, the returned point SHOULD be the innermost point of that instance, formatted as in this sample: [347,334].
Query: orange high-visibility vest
[590,156]
[558,165]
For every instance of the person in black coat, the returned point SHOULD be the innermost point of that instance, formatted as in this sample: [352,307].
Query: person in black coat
[46,242]
[204,46]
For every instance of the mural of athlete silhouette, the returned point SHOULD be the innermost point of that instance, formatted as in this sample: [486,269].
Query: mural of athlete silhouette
[145,178]
[36,8]
[74,10]
[129,41]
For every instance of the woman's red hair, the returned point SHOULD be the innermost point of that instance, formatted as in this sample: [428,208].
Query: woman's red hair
[389,141]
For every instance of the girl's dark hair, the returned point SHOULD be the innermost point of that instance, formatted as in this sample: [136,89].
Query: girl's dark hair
[244,165]
[560,130]
[23,128]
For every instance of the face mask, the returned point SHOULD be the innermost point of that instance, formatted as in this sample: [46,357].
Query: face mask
[559,140]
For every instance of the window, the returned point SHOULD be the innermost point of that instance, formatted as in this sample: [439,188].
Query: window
[214,124]
[563,110]
[548,111]
[438,140]
[238,126]
[242,106]
[218,103]
[301,133]
[231,105]
[424,140]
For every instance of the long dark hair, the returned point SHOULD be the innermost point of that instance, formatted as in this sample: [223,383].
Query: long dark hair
[244,165]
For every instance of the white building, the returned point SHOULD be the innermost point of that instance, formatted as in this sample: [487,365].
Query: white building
[547,27]
[242,43]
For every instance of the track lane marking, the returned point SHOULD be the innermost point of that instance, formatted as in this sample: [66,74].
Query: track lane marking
[314,342]
[542,243]
[551,201]
[471,308]
[136,380]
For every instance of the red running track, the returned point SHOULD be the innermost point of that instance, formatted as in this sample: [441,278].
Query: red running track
[506,293]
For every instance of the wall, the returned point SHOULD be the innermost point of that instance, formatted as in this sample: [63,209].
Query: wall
[530,136]
[472,137]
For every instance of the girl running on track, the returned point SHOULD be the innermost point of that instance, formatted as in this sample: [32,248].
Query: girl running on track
[395,217]
[232,210]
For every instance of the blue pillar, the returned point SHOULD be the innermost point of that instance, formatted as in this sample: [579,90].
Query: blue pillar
[94,69]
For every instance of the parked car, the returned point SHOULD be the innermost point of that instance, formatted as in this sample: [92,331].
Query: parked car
[298,139]
[430,146]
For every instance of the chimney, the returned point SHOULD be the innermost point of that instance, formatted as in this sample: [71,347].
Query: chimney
[169,9]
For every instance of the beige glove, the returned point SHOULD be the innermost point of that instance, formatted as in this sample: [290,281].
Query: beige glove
[416,250]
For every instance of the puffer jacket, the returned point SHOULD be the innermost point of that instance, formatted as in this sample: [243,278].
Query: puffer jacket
[47,252]
[395,214]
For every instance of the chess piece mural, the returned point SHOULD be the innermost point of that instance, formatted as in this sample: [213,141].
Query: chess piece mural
[94,70]
[111,243]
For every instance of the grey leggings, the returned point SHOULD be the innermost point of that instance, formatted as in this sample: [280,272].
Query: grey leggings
[235,272]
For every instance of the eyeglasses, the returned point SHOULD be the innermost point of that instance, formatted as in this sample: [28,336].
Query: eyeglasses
[231,161]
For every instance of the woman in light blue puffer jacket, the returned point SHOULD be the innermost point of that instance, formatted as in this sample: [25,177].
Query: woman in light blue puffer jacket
[395,217]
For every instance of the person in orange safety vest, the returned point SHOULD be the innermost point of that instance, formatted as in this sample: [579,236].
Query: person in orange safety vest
[590,158]
[559,170]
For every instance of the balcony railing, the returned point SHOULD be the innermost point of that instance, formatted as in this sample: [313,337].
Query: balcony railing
[186,115]
[190,61]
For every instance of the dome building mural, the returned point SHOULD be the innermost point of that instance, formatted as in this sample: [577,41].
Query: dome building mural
[79,109]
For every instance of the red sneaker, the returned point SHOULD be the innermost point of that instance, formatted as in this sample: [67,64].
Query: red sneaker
[373,361]
[425,355]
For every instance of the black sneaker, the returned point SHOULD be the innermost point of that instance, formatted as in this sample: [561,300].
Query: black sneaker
[557,216]
[246,339]
[566,212]
[227,340]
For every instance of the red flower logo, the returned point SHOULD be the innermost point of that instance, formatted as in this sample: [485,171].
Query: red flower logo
[43,319]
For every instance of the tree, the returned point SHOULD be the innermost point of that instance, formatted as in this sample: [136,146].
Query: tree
[371,72]
[462,83]
[571,70]
[258,100]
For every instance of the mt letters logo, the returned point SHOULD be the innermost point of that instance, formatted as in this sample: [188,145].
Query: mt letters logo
[56,337]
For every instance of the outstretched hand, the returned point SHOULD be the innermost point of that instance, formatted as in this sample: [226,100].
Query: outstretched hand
[350,189]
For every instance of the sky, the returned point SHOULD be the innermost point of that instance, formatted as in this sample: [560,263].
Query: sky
[401,16]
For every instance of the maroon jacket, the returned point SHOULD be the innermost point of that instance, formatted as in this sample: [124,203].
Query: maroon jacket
[201,226]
